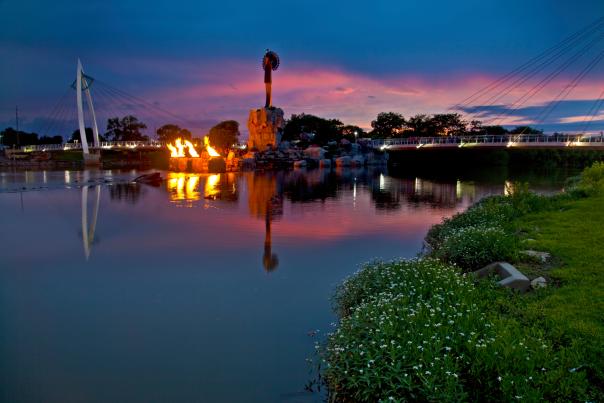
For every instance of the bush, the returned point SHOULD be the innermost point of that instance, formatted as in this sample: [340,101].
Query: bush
[592,179]
[474,247]
[420,331]
[493,211]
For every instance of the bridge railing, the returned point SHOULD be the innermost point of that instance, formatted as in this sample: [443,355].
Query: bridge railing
[103,145]
[503,139]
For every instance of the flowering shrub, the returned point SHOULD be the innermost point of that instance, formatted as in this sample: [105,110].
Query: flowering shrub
[473,247]
[495,211]
[420,330]
[592,179]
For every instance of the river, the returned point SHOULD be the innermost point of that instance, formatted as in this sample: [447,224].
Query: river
[207,288]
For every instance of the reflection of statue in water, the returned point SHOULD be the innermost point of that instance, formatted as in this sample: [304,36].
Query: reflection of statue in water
[270,261]
[265,202]
[270,62]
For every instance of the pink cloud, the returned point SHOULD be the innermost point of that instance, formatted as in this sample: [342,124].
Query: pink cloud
[227,89]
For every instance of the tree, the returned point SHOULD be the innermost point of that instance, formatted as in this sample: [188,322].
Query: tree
[224,135]
[75,136]
[168,133]
[324,130]
[447,124]
[388,124]
[494,130]
[476,127]
[12,137]
[126,129]
[419,124]
[351,132]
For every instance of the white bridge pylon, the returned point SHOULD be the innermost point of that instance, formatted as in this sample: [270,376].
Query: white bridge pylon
[82,84]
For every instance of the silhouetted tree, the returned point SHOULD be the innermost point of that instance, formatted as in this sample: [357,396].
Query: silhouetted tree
[387,124]
[476,127]
[494,130]
[324,130]
[11,137]
[170,132]
[75,136]
[126,129]
[419,125]
[351,132]
[224,135]
[447,124]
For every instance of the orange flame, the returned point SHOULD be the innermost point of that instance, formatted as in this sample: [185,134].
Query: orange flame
[209,148]
[178,149]
[192,152]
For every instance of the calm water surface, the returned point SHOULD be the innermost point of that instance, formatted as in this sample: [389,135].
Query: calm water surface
[206,288]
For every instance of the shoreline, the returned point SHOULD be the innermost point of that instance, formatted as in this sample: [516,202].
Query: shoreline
[562,316]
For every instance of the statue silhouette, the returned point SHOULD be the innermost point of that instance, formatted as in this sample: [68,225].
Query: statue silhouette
[270,62]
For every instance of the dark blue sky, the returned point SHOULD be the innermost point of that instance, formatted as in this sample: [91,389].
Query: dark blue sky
[343,59]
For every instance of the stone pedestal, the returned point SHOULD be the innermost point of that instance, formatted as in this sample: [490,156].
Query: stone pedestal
[265,126]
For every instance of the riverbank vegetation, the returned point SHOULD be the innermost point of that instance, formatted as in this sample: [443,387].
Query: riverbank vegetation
[426,330]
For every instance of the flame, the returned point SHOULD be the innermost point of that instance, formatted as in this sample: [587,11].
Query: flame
[210,149]
[178,149]
[192,152]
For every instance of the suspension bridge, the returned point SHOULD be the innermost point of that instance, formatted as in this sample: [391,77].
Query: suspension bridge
[516,141]
[509,100]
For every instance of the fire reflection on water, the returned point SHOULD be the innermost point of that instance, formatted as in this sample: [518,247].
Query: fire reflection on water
[211,190]
[187,188]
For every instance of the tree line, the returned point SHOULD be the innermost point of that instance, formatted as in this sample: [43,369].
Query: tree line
[129,128]
[303,128]
[310,128]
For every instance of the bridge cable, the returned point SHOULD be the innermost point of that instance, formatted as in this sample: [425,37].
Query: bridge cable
[148,104]
[525,77]
[152,116]
[478,94]
[544,114]
[541,84]
[596,107]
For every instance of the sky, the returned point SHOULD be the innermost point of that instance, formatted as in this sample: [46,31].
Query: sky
[195,63]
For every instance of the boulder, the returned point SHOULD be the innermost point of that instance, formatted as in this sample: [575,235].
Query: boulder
[343,161]
[538,282]
[153,179]
[285,145]
[265,126]
[325,163]
[300,164]
[216,165]
[314,152]
[357,161]
[510,276]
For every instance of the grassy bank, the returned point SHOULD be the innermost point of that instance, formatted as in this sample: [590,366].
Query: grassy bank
[427,330]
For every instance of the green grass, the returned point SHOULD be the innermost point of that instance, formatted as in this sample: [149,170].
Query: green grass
[544,345]
[574,311]
[419,330]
